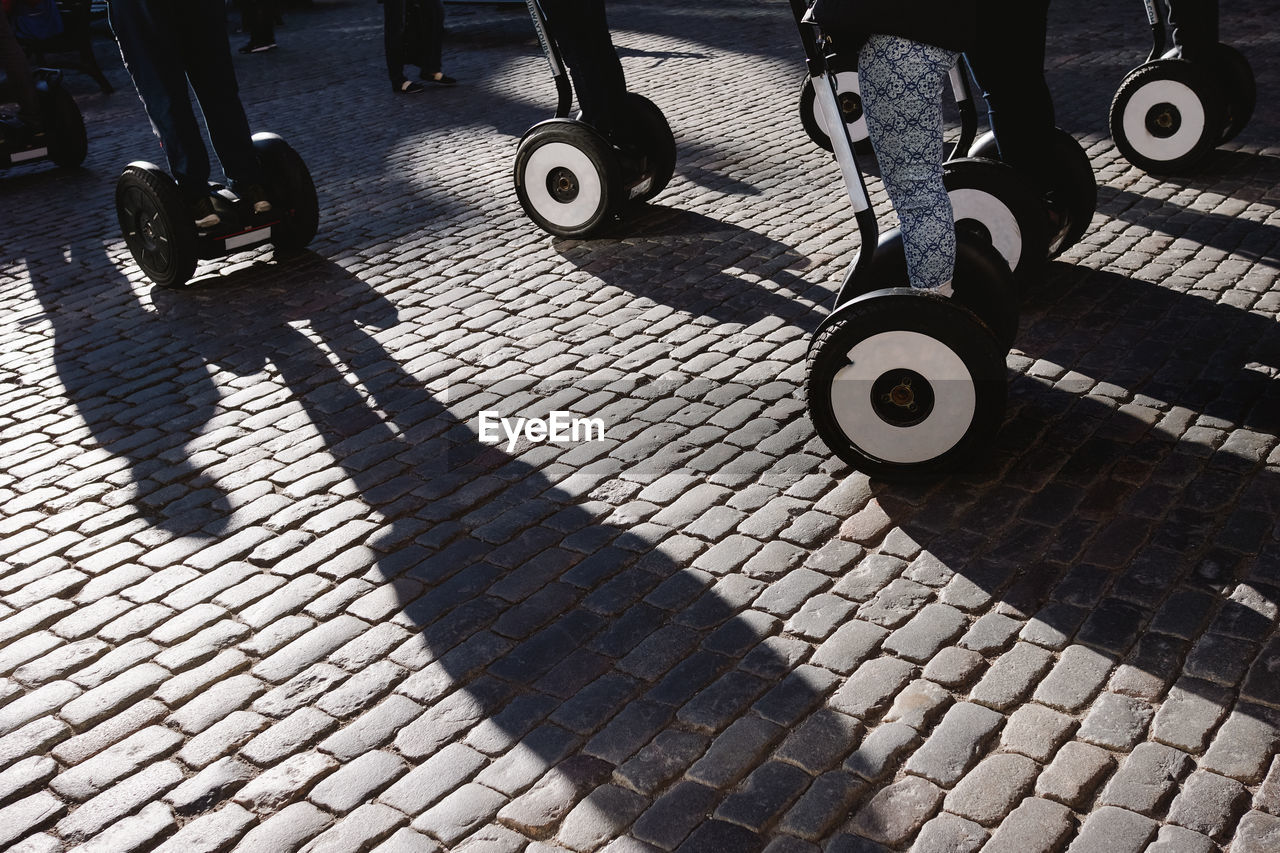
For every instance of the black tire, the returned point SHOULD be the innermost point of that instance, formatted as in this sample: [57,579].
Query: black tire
[156,224]
[288,184]
[905,385]
[1167,116]
[981,281]
[657,142]
[850,106]
[68,142]
[989,198]
[567,178]
[1235,77]
[1074,196]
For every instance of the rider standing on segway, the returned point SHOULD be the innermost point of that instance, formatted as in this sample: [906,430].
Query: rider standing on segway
[581,30]
[165,45]
[21,84]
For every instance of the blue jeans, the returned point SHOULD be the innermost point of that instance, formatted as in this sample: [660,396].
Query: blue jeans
[901,82]
[165,45]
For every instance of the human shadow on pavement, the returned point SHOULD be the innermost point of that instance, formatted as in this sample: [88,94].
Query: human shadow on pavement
[144,397]
[697,264]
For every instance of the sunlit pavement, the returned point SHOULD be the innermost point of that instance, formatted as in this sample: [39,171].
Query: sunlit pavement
[261,583]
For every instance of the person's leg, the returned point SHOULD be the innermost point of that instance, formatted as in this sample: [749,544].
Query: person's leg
[431,40]
[1194,27]
[213,79]
[16,69]
[393,23]
[1008,61]
[258,20]
[147,37]
[581,30]
[901,84]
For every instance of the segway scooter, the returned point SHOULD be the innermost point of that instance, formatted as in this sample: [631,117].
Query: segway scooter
[571,180]
[1170,112]
[60,137]
[165,242]
[904,384]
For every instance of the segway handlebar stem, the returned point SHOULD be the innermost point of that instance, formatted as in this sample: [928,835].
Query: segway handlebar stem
[959,76]
[1157,29]
[564,88]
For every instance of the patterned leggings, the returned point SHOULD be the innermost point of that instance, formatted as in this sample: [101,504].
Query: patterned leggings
[901,83]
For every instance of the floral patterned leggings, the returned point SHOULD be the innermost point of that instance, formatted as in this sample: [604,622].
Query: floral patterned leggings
[901,82]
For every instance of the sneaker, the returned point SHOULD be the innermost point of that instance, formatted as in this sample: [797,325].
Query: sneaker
[204,214]
[256,47]
[439,78]
[254,194]
[406,87]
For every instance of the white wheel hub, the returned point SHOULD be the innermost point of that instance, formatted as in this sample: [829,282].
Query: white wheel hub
[556,162]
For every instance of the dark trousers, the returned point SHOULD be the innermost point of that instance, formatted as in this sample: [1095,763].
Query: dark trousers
[1008,62]
[413,33]
[1194,25]
[21,86]
[258,19]
[581,30]
[166,45]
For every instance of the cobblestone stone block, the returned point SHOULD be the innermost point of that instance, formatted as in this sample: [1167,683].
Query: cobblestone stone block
[1267,797]
[357,781]
[209,707]
[950,833]
[991,633]
[1190,713]
[287,829]
[675,814]
[210,786]
[1209,804]
[955,743]
[827,802]
[292,734]
[896,812]
[136,832]
[28,815]
[918,705]
[871,686]
[824,738]
[1113,829]
[1075,774]
[365,826]
[851,644]
[285,782]
[1257,833]
[36,704]
[1036,731]
[1146,779]
[662,760]
[991,790]
[934,626]
[1176,839]
[735,751]
[1243,746]
[895,603]
[953,667]
[881,749]
[1035,826]
[1116,722]
[90,777]
[118,801]
[1012,675]
[76,749]
[222,738]
[1074,680]
[602,815]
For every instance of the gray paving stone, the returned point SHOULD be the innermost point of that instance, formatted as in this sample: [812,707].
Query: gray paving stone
[602,815]
[953,746]
[427,782]
[407,840]
[368,824]
[871,686]
[918,705]
[1243,745]
[1146,779]
[950,833]
[290,735]
[763,795]
[1012,676]
[1209,804]
[1267,797]
[136,832]
[1036,731]
[222,738]
[880,750]
[1035,826]
[823,739]
[1190,713]
[36,704]
[991,633]
[1116,722]
[897,811]
[135,752]
[357,781]
[28,815]
[851,644]
[934,626]
[119,801]
[285,782]
[991,790]
[1257,833]
[828,801]
[76,749]
[538,811]
[895,603]
[1074,680]
[735,751]
[287,829]
[674,815]
[953,667]
[207,708]
[1176,839]
[1074,774]
[1111,828]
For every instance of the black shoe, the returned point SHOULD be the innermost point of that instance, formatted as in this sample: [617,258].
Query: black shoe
[439,78]
[203,213]
[258,47]
[255,195]
[407,87]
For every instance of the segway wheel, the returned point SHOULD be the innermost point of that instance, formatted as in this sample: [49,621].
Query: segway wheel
[567,178]
[1074,194]
[288,183]
[1166,116]
[905,385]
[850,100]
[68,142]
[1236,80]
[657,142]
[988,198]
[157,226]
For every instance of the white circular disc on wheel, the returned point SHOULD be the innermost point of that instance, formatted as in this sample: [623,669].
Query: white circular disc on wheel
[846,82]
[561,155]
[954,405]
[995,216]
[1183,140]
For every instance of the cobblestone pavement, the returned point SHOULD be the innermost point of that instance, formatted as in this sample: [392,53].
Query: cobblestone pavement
[261,585]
